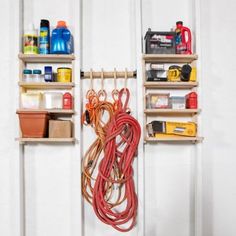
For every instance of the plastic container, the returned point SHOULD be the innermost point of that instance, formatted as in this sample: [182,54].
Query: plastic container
[191,100]
[67,101]
[53,100]
[30,40]
[64,74]
[37,76]
[31,100]
[33,124]
[27,75]
[177,102]
[61,41]
[44,38]
[48,74]
[160,42]
[183,39]
[158,100]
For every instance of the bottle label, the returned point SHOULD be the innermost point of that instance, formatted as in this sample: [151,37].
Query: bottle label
[44,41]
[30,44]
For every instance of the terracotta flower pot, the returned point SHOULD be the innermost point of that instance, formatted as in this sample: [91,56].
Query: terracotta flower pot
[33,124]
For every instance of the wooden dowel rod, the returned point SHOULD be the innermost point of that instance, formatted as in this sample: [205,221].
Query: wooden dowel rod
[108,74]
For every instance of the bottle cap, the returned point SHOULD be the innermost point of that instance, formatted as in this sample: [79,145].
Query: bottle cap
[44,23]
[27,72]
[37,72]
[61,24]
[179,23]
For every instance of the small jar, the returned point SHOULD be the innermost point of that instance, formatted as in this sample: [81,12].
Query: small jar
[27,75]
[37,76]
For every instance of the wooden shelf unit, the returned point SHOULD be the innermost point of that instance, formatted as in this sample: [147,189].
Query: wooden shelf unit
[49,58]
[147,85]
[46,85]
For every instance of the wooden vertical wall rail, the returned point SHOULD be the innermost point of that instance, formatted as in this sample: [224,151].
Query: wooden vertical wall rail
[198,149]
[139,83]
[22,190]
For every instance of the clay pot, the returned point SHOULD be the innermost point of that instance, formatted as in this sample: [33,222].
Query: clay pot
[33,124]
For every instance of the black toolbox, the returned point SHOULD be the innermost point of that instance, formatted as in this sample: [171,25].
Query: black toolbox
[160,42]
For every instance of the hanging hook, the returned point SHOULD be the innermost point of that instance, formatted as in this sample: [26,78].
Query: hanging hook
[91,79]
[126,78]
[102,92]
[115,77]
[91,91]
[115,92]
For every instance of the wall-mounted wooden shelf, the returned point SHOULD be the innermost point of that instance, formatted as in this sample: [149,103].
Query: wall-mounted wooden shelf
[170,58]
[55,111]
[174,139]
[44,85]
[34,58]
[46,140]
[172,111]
[171,85]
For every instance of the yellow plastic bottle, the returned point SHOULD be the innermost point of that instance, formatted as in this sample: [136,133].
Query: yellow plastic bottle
[30,41]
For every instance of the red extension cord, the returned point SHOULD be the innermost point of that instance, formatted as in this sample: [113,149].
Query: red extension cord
[120,149]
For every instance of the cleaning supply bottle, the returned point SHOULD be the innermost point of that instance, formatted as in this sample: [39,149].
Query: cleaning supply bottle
[30,40]
[61,42]
[44,38]
[183,39]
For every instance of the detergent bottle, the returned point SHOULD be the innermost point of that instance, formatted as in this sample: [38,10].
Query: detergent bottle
[61,41]
[183,39]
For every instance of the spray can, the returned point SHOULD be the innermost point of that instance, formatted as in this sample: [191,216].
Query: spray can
[183,39]
[44,39]
[30,40]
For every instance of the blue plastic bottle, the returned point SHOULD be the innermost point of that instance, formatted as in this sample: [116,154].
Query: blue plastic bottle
[61,41]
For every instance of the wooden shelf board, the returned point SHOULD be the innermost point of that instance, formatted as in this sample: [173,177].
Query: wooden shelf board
[46,140]
[172,111]
[56,58]
[56,111]
[44,85]
[174,139]
[170,58]
[171,85]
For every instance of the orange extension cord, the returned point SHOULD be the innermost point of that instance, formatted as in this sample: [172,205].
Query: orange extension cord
[114,185]
[95,109]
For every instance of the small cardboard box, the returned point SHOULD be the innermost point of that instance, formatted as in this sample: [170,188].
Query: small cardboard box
[60,128]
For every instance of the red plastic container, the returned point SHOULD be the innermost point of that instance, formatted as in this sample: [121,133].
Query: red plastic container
[67,101]
[183,39]
[33,124]
[191,100]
